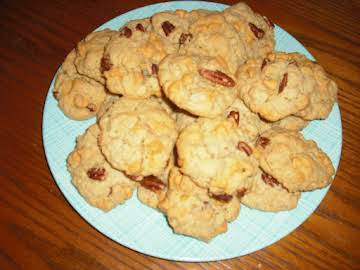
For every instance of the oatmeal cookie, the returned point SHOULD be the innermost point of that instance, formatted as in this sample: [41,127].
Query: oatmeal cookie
[190,210]
[137,136]
[79,97]
[89,52]
[216,155]
[100,184]
[131,59]
[255,30]
[296,163]
[200,85]
[274,87]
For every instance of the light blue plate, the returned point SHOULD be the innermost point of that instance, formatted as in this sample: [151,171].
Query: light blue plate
[138,227]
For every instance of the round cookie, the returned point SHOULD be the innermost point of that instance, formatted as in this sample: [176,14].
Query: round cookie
[131,59]
[273,87]
[255,30]
[79,97]
[89,53]
[296,163]
[137,136]
[290,122]
[216,155]
[190,210]
[323,95]
[200,85]
[269,196]
[99,184]
[213,36]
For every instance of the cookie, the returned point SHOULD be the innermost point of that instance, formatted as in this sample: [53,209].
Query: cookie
[99,184]
[137,136]
[79,97]
[213,36]
[273,87]
[269,196]
[89,53]
[110,99]
[215,154]
[131,59]
[322,96]
[200,85]
[190,210]
[296,163]
[256,31]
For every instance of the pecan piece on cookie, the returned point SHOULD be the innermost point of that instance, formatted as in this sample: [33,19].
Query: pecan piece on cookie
[235,116]
[152,183]
[270,180]
[218,77]
[184,37]
[140,27]
[243,146]
[168,27]
[221,197]
[125,31]
[283,83]
[240,192]
[262,141]
[259,33]
[96,173]
[91,107]
[264,63]
[105,63]
[154,69]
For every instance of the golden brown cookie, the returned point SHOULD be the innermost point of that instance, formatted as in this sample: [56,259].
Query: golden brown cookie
[99,184]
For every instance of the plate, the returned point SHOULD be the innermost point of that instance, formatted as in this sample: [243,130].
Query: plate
[139,227]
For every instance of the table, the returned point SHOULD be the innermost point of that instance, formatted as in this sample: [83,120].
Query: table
[40,230]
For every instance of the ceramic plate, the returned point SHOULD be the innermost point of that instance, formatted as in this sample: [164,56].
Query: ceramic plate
[139,227]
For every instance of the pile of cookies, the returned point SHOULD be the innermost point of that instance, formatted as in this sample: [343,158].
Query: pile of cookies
[197,112]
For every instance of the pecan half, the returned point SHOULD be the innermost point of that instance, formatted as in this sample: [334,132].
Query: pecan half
[184,37]
[96,174]
[235,116]
[241,192]
[283,83]
[91,107]
[105,63]
[216,76]
[258,33]
[264,63]
[152,183]
[167,27]
[262,141]
[269,22]
[154,69]
[125,31]
[270,180]
[243,146]
[221,197]
[140,27]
